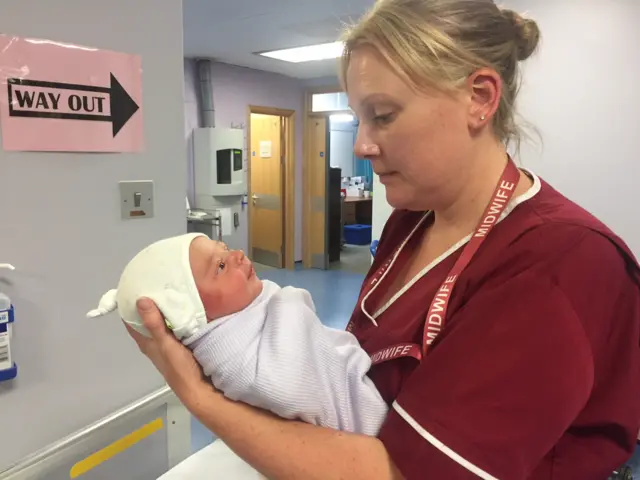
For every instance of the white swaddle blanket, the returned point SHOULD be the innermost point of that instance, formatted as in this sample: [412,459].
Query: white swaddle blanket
[277,355]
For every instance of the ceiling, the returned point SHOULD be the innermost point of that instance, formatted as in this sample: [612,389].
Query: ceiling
[232,31]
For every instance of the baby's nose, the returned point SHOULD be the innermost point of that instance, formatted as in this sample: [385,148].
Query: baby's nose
[238,255]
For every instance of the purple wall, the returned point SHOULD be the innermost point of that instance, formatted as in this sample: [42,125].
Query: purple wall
[234,88]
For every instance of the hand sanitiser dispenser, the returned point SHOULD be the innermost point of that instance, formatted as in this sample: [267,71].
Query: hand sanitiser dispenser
[8,368]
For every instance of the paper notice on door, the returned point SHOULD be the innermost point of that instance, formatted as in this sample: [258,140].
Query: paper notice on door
[265,149]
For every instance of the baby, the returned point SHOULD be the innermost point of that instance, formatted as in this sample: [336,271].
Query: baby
[259,343]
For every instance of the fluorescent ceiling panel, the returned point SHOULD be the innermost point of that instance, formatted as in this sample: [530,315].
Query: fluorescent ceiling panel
[310,53]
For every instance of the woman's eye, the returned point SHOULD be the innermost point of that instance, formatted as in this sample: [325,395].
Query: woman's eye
[221,266]
[383,119]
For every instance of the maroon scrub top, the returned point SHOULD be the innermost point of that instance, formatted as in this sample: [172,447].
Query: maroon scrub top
[536,374]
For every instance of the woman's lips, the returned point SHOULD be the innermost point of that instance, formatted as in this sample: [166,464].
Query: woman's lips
[386,177]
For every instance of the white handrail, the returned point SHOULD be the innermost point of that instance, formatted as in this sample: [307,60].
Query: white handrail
[61,451]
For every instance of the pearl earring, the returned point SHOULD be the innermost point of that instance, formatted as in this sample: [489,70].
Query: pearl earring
[483,118]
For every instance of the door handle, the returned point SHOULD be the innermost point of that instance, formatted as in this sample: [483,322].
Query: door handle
[254,197]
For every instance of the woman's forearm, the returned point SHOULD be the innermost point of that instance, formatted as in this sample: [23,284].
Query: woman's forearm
[283,449]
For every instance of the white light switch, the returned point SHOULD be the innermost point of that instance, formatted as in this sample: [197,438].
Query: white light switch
[136,199]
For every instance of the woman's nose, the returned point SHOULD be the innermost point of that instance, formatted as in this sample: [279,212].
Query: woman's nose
[364,147]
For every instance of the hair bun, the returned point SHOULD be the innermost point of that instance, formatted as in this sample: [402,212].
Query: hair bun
[527,34]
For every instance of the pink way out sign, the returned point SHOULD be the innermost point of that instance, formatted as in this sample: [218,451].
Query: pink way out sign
[69,98]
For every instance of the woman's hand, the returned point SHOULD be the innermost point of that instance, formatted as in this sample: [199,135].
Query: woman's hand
[172,359]
[275,447]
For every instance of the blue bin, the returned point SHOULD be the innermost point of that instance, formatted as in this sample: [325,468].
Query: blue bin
[357,234]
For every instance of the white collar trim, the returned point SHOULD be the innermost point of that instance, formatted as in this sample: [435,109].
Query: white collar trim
[528,195]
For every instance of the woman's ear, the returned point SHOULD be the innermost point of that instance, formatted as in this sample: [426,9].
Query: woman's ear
[485,87]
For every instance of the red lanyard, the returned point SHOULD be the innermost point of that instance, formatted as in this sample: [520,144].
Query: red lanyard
[436,317]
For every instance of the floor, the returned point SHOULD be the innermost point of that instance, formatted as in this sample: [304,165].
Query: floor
[335,293]
[353,259]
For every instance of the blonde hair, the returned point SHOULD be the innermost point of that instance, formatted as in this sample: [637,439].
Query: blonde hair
[439,43]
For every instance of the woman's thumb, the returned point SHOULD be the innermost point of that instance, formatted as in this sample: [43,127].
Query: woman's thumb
[151,317]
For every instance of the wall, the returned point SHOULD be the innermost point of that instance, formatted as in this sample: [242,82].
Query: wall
[191,120]
[322,82]
[580,92]
[234,88]
[380,209]
[60,225]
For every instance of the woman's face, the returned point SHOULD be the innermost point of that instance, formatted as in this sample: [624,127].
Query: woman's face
[417,142]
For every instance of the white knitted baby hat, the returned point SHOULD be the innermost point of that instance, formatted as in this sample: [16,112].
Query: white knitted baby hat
[161,272]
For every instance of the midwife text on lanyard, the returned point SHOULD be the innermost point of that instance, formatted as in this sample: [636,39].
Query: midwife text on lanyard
[436,317]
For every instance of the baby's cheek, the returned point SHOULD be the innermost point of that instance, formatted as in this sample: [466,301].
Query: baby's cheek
[210,304]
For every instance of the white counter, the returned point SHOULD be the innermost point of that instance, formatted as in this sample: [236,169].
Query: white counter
[215,461]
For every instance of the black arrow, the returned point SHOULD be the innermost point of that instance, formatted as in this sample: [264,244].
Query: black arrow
[122,106]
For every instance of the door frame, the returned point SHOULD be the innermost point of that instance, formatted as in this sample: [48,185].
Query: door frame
[307,156]
[288,178]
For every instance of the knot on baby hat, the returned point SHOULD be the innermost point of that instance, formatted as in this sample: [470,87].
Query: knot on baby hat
[107,304]
[161,272]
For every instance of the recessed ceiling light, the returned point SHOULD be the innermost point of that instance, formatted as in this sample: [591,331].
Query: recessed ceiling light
[323,51]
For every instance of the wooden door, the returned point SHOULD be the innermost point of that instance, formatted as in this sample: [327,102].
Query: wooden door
[318,138]
[266,245]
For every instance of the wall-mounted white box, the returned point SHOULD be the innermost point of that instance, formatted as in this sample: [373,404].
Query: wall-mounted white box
[218,163]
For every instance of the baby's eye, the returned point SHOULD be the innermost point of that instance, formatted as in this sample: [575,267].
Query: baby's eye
[221,266]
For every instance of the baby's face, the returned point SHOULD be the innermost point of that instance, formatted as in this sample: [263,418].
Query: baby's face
[225,278]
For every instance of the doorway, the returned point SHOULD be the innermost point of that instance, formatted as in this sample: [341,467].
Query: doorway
[356,210]
[337,196]
[271,174]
